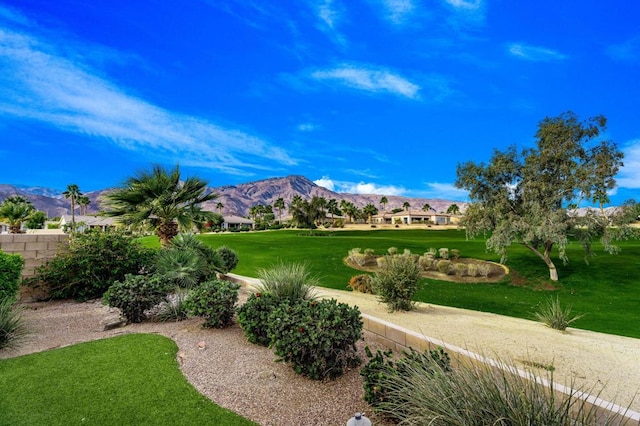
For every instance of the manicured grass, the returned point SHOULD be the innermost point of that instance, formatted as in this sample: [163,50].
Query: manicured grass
[126,380]
[607,290]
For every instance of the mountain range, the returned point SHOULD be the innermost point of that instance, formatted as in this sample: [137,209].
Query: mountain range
[236,199]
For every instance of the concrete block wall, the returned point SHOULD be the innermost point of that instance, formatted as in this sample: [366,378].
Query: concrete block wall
[35,249]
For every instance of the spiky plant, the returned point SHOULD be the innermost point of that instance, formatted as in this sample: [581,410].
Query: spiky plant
[554,315]
[12,324]
[290,282]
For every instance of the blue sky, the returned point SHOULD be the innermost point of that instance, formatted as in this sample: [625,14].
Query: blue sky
[363,96]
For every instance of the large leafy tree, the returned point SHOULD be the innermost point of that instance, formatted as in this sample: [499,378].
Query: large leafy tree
[524,197]
[160,199]
[15,210]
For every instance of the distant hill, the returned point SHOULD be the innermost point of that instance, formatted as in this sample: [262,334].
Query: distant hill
[237,199]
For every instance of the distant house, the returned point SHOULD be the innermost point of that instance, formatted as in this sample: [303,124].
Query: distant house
[88,222]
[409,217]
[237,222]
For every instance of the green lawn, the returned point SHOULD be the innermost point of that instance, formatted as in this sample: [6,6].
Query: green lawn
[607,290]
[126,380]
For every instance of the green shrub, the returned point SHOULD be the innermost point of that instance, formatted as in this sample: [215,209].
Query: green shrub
[215,301]
[376,373]
[397,282]
[135,295]
[553,315]
[460,269]
[93,262]
[228,259]
[10,270]
[12,324]
[290,282]
[444,253]
[392,251]
[455,254]
[317,338]
[253,317]
[361,283]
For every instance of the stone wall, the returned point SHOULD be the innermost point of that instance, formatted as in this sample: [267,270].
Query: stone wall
[35,249]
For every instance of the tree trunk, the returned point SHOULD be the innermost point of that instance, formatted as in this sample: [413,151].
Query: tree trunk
[553,272]
[166,231]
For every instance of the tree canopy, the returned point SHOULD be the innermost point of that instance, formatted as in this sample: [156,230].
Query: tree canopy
[532,197]
[15,210]
[160,199]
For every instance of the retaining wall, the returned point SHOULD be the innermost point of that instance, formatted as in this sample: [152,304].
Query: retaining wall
[35,249]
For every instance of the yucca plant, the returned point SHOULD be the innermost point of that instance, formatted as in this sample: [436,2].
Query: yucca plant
[554,315]
[174,308]
[12,324]
[288,282]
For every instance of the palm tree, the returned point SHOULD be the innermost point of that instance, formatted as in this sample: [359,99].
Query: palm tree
[219,207]
[332,207]
[383,202]
[453,209]
[160,199]
[15,210]
[406,205]
[83,202]
[279,204]
[369,210]
[426,208]
[72,192]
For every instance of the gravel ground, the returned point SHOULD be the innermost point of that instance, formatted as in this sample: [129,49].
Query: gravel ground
[220,363]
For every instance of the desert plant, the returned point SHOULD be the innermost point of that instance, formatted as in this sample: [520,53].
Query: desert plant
[173,308]
[12,325]
[443,266]
[93,261]
[554,315]
[397,282]
[215,301]
[472,269]
[380,366]
[460,269]
[288,282]
[361,283]
[455,254]
[480,394]
[136,294]
[392,250]
[381,262]
[228,259]
[484,270]
[444,253]
[10,270]
[253,317]
[185,267]
[318,338]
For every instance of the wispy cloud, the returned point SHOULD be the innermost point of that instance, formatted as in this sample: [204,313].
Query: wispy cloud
[329,15]
[369,79]
[466,12]
[39,82]
[534,53]
[629,175]
[445,191]
[398,11]
[358,187]
[627,51]
[306,127]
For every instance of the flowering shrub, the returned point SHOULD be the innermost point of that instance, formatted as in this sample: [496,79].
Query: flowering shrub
[253,317]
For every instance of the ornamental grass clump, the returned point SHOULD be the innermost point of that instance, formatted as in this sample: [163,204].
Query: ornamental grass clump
[554,315]
[289,282]
[12,325]
[397,282]
[475,393]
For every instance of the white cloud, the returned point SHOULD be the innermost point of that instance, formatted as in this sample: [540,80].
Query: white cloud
[38,82]
[629,174]
[465,4]
[330,15]
[445,191]
[306,127]
[398,11]
[534,53]
[359,187]
[369,79]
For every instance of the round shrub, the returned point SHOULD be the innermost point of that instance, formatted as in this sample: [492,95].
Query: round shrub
[215,301]
[253,317]
[136,294]
[443,266]
[228,259]
[317,338]
[397,282]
